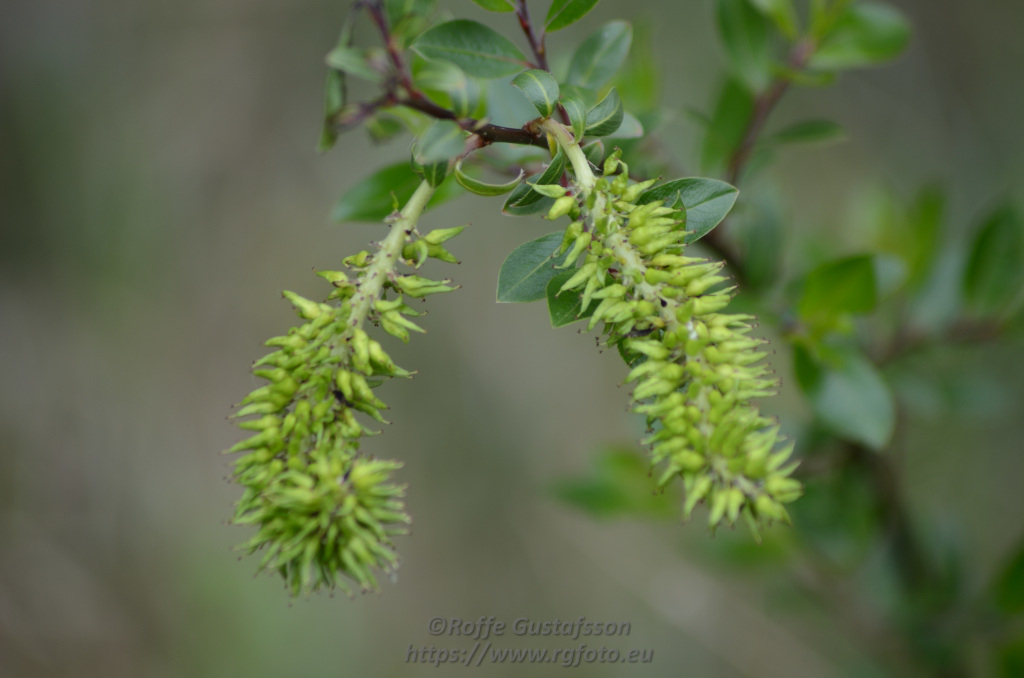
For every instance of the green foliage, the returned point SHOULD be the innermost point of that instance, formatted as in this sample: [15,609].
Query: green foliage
[380,194]
[541,88]
[619,486]
[867,33]
[703,203]
[527,269]
[995,266]
[606,116]
[809,131]
[478,50]
[599,56]
[745,33]
[564,13]
[837,288]
[847,394]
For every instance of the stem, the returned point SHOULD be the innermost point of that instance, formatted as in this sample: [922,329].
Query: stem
[536,42]
[764,105]
[580,165]
[383,265]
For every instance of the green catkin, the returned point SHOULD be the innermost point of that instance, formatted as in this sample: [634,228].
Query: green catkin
[695,367]
[324,512]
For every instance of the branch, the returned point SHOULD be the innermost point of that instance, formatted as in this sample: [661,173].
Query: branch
[764,105]
[536,42]
[402,91]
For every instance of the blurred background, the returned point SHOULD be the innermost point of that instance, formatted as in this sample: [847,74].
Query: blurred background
[159,188]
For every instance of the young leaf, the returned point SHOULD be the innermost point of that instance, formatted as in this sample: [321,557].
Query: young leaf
[745,34]
[373,198]
[727,125]
[434,173]
[599,57]
[442,140]
[606,116]
[540,88]
[526,271]
[476,49]
[995,265]
[567,307]
[867,33]
[352,61]
[706,202]
[566,12]
[577,113]
[783,13]
[495,5]
[808,131]
[479,187]
[842,286]
[399,9]
[848,396]
[524,200]
[334,101]
[925,225]
[334,95]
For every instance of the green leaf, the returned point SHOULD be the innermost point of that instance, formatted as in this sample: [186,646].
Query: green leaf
[478,50]
[399,9]
[479,187]
[594,151]
[352,61]
[566,12]
[620,485]
[848,396]
[524,200]
[334,96]
[808,131]
[606,116]
[526,271]
[993,277]
[442,140]
[837,287]
[639,81]
[540,88]
[1008,587]
[745,34]
[706,202]
[867,33]
[373,198]
[438,75]
[599,57]
[447,84]
[334,101]
[926,216]
[566,307]
[506,105]
[629,128]
[495,5]
[783,13]
[577,113]
[728,123]
[435,173]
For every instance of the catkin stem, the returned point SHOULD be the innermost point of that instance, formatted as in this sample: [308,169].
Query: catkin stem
[383,264]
